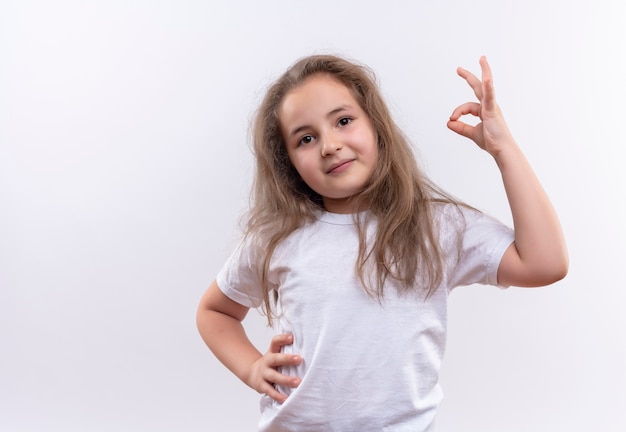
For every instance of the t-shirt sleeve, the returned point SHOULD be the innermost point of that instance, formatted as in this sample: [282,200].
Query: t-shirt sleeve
[239,279]
[482,244]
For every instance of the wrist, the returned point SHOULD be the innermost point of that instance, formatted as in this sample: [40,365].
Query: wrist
[508,152]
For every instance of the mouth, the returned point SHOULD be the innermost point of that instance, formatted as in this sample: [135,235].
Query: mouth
[339,166]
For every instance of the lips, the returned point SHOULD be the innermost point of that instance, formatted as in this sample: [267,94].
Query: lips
[339,166]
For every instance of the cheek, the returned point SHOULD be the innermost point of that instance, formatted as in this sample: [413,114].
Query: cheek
[300,166]
[306,170]
[292,159]
[373,151]
[294,168]
[303,159]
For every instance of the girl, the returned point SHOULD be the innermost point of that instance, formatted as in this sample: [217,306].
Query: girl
[351,252]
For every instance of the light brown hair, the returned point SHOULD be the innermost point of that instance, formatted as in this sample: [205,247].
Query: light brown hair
[398,196]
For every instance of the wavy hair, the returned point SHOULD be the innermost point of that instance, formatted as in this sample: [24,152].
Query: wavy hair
[398,195]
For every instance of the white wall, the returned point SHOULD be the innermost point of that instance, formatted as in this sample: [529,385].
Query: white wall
[124,165]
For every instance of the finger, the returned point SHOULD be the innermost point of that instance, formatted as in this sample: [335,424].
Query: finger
[276,360]
[269,390]
[489,100]
[274,377]
[471,108]
[472,80]
[279,341]
[463,129]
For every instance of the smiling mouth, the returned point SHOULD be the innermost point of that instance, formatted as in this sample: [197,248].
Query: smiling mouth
[340,166]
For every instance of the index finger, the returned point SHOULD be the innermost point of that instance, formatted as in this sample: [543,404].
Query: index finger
[473,82]
[279,340]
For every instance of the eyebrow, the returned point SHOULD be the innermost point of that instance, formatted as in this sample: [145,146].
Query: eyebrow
[330,114]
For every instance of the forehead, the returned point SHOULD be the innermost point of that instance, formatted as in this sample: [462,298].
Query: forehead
[316,95]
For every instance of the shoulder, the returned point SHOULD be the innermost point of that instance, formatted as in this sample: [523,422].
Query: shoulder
[466,230]
[473,243]
[450,217]
[459,217]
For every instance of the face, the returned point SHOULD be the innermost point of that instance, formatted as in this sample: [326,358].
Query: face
[330,140]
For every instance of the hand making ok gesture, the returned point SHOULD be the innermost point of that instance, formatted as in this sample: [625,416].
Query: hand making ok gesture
[491,134]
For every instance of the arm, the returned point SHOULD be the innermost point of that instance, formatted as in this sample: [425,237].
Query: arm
[538,256]
[219,322]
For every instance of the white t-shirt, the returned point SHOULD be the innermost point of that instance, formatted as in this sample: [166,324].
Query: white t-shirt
[367,365]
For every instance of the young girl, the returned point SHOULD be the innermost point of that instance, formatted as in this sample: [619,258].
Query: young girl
[351,252]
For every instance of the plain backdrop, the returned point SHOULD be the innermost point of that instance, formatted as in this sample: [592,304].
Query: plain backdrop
[125,167]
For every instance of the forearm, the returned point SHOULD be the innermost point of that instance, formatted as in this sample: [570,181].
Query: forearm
[226,338]
[539,238]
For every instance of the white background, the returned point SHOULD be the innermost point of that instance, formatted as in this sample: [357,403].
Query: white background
[124,167]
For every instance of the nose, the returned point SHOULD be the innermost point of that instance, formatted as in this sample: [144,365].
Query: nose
[330,145]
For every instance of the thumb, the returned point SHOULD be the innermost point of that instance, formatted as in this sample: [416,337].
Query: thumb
[462,129]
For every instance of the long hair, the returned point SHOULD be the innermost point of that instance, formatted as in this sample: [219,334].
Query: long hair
[398,195]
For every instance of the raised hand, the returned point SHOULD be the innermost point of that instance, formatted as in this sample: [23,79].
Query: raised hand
[491,134]
[264,374]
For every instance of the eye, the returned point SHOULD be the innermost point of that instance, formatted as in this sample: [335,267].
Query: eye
[305,140]
[344,121]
